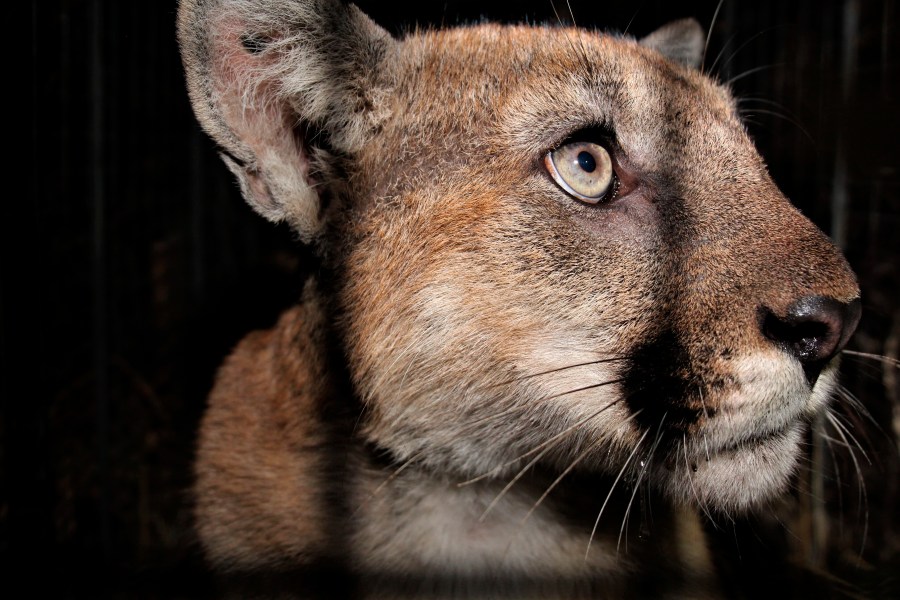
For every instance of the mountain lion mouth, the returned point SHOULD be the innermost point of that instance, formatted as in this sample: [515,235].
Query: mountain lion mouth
[739,476]
[691,451]
[754,442]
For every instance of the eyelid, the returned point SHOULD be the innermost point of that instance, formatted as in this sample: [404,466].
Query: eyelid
[601,134]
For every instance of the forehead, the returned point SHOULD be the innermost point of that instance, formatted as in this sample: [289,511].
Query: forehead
[527,85]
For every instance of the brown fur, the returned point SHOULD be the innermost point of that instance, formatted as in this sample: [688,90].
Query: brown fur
[477,318]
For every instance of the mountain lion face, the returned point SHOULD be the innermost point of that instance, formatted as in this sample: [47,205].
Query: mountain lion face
[544,244]
[675,307]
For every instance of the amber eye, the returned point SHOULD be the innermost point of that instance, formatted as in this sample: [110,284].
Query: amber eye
[583,169]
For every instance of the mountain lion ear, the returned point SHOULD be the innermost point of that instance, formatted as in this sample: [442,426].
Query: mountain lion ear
[682,41]
[269,79]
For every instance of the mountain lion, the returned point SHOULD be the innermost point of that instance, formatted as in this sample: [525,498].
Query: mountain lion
[561,308]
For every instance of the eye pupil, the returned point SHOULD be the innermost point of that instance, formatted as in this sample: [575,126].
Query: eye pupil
[586,161]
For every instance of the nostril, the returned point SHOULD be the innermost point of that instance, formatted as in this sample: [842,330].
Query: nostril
[814,329]
[808,341]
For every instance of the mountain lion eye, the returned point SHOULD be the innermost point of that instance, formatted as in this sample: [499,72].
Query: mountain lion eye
[583,169]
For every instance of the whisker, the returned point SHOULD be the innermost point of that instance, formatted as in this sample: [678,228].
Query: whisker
[396,473]
[613,487]
[512,409]
[579,47]
[705,416]
[559,20]
[785,527]
[637,483]
[862,497]
[794,122]
[842,429]
[585,388]
[837,477]
[512,482]
[749,72]
[888,360]
[569,469]
[709,34]
[832,440]
[556,370]
[844,433]
[560,477]
[856,404]
[571,13]
[474,424]
[631,20]
[739,48]
[745,99]
[546,443]
[746,118]
[687,464]
[719,55]
[859,412]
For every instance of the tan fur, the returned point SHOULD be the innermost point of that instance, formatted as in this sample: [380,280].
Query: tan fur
[476,318]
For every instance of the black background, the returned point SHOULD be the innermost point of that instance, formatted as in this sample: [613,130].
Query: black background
[131,266]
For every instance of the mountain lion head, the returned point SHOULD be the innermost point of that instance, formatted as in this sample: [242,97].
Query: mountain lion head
[540,245]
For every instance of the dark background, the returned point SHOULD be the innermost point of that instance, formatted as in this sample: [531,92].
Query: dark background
[131,266]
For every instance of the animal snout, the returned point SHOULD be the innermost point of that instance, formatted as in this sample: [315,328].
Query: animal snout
[813,330]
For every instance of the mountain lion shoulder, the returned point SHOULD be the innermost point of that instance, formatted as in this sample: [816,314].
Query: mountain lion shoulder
[558,293]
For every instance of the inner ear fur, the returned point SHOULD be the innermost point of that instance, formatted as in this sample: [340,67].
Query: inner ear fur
[682,41]
[261,74]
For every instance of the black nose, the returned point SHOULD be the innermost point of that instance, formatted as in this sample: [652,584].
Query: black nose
[813,330]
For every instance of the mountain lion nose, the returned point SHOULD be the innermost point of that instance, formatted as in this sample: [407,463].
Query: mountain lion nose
[813,330]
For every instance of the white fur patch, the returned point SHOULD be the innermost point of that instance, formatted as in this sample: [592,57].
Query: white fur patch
[746,453]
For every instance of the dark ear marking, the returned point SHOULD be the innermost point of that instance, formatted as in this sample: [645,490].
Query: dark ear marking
[233,158]
[254,43]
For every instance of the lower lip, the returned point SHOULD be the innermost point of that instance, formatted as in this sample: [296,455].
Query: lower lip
[754,443]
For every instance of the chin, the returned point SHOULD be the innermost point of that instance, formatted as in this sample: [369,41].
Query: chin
[737,478]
